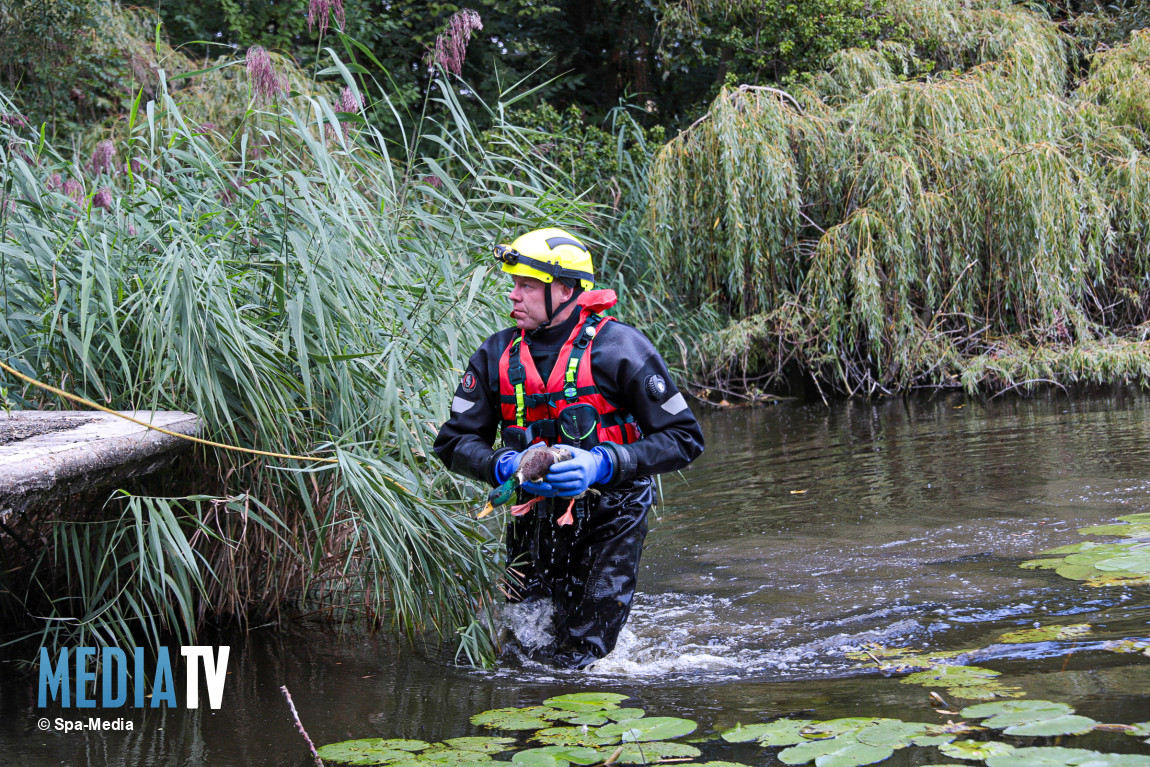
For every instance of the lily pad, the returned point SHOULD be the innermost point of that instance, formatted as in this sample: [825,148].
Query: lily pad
[1140,517]
[530,718]
[589,718]
[534,757]
[364,751]
[1119,579]
[619,714]
[1043,756]
[892,733]
[1046,634]
[573,754]
[951,676]
[1141,729]
[989,691]
[574,736]
[832,728]
[1024,707]
[781,732]
[843,751]
[1076,572]
[490,745]
[1071,724]
[975,749]
[648,729]
[586,701]
[932,740]
[648,753]
[453,756]
[1128,530]
[1133,562]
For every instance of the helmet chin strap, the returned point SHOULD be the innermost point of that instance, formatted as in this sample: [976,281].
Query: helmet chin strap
[547,307]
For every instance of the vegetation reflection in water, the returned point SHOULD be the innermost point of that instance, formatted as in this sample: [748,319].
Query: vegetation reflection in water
[599,732]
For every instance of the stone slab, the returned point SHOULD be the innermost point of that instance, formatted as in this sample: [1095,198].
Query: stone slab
[53,453]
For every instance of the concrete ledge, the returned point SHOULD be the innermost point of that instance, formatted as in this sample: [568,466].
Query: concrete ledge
[50,454]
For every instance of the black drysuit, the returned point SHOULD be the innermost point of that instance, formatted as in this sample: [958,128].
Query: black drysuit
[588,569]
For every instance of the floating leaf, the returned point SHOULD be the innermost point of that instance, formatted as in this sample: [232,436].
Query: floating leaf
[1024,707]
[488,745]
[1071,724]
[573,754]
[933,740]
[1129,530]
[843,751]
[892,733]
[832,728]
[1096,553]
[1046,634]
[1133,562]
[1119,579]
[574,736]
[648,728]
[534,757]
[781,732]
[989,691]
[1043,756]
[586,701]
[619,714]
[1141,517]
[453,756]
[975,749]
[1076,572]
[530,718]
[1141,729]
[589,718]
[365,751]
[951,676]
[648,753]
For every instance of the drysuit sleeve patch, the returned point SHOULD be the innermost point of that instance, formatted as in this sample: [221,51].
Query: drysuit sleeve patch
[468,382]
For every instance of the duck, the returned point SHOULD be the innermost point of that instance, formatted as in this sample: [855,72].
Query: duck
[533,467]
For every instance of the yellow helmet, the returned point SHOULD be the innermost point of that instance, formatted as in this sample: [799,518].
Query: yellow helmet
[546,254]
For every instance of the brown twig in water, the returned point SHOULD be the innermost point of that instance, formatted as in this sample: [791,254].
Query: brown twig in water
[299,726]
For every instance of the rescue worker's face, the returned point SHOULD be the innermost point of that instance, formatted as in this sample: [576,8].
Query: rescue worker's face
[528,300]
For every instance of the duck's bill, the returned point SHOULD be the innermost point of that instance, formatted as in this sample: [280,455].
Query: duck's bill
[487,509]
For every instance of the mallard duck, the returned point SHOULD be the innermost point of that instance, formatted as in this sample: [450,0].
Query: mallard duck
[533,467]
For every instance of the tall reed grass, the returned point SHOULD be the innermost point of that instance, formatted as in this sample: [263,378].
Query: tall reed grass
[879,233]
[305,285]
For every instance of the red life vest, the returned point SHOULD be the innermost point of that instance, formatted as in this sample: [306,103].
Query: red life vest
[525,401]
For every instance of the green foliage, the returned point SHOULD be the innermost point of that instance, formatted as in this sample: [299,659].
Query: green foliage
[70,63]
[317,297]
[744,41]
[982,228]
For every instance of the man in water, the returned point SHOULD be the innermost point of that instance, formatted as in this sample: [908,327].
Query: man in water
[567,374]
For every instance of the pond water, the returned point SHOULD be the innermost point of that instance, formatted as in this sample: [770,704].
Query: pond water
[804,531]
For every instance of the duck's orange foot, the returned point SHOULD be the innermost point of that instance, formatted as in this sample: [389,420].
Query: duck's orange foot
[568,518]
[523,508]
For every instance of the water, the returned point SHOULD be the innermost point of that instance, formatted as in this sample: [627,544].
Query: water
[803,532]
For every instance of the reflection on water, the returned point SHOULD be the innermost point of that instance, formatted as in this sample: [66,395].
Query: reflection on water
[802,532]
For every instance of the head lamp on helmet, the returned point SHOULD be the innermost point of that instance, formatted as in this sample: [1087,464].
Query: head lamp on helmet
[547,254]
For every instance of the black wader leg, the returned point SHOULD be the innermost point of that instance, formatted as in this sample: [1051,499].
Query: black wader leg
[600,584]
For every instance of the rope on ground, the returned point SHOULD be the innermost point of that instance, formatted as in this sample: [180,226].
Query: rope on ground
[88,403]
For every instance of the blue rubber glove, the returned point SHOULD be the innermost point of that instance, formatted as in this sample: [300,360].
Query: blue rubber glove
[507,465]
[587,467]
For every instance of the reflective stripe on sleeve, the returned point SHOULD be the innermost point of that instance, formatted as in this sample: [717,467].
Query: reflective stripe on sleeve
[676,404]
[460,405]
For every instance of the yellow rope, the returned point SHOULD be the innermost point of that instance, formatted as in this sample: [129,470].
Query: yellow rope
[209,443]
